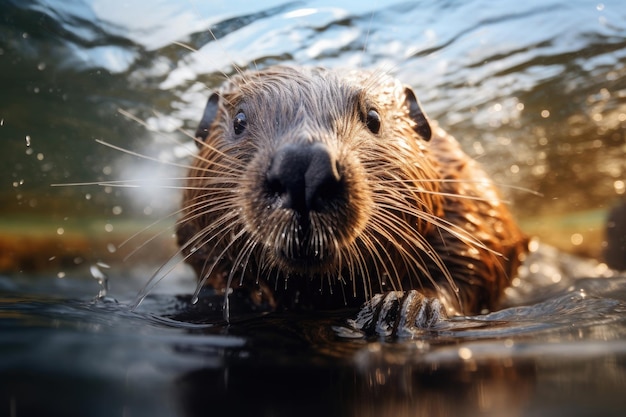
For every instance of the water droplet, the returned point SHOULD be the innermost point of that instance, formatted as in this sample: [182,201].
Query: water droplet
[576,239]
[102,279]
[117,210]
[465,353]
[108,227]
[27,141]
[96,273]
[61,274]
[60,231]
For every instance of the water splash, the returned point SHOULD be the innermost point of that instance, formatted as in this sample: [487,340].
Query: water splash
[103,282]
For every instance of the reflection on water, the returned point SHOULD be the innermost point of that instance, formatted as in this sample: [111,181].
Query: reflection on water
[535,91]
[565,354]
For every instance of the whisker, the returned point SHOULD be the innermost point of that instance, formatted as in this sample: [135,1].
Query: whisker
[184,45]
[206,274]
[416,266]
[231,161]
[466,181]
[439,222]
[245,252]
[153,281]
[144,230]
[361,266]
[373,248]
[144,243]
[142,156]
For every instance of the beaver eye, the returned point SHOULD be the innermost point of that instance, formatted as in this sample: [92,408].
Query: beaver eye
[239,123]
[372,121]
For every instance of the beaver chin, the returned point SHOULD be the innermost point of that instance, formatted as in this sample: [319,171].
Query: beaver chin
[302,248]
[304,262]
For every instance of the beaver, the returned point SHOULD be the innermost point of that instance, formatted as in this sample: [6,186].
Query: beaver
[322,189]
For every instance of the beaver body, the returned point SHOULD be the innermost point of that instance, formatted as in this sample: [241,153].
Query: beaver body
[315,188]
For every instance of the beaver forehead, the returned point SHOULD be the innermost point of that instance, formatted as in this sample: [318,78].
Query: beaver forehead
[313,93]
[288,90]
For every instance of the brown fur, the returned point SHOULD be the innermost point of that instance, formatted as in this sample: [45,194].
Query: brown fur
[408,213]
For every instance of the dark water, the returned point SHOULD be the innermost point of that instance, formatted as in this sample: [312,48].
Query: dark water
[67,352]
[536,91]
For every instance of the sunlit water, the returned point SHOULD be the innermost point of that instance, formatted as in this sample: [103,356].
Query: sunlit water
[536,91]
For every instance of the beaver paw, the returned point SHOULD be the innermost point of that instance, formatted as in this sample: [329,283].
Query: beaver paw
[398,313]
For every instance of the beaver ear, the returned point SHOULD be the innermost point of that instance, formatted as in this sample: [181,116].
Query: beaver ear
[210,112]
[422,127]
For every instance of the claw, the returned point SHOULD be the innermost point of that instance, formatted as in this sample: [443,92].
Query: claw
[398,313]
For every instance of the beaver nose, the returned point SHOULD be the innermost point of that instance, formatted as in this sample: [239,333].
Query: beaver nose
[304,177]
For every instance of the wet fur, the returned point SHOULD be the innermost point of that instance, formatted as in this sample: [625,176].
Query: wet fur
[413,211]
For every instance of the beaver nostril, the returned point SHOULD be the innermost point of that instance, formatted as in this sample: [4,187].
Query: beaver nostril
[304,177]
[274,185]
